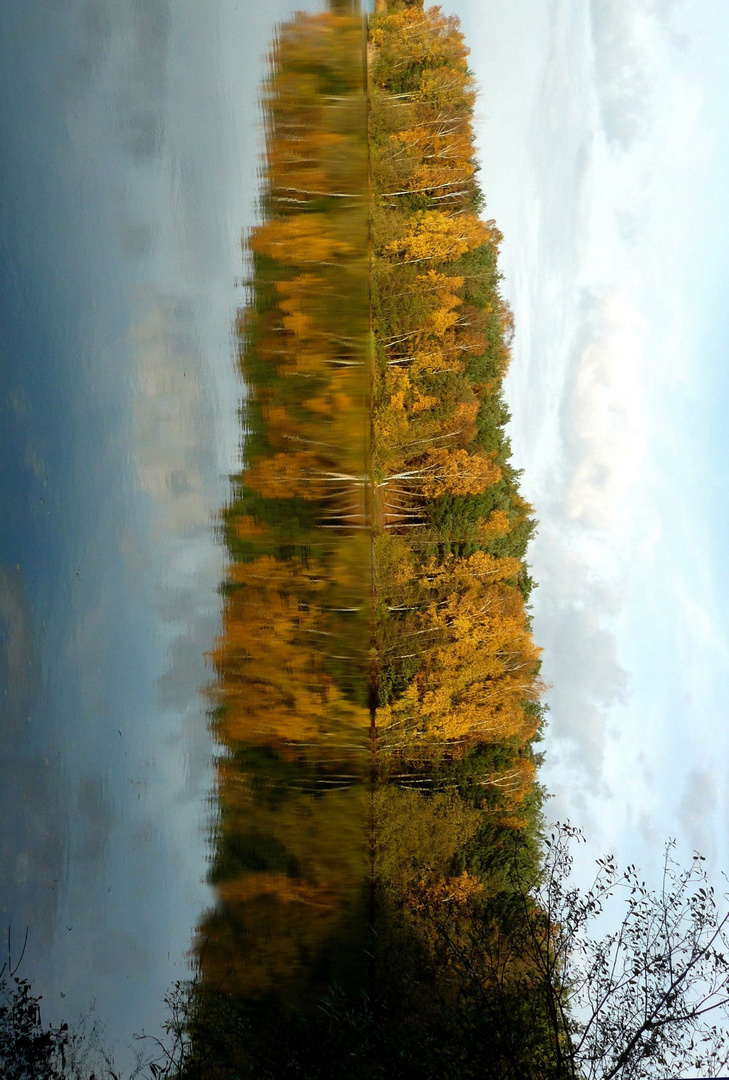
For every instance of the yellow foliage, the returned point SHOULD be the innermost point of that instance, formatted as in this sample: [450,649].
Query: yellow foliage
[299,239]
[456,472]
[281,887]
[453,891]
[498,523]
[441,320]
[288,475]
[272,680]
[434,235]
[247,528]
[422,402]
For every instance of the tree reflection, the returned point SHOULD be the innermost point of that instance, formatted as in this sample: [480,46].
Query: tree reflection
[290,705]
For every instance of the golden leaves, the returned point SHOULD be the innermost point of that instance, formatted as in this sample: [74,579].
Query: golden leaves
[456,472]
[437,236]
[299,240]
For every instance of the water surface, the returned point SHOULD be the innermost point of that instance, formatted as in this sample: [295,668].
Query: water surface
[131,135]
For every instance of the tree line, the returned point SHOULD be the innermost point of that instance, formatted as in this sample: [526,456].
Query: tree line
[459,711]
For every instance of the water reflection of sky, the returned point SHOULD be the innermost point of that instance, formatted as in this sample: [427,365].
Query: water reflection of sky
[130,143]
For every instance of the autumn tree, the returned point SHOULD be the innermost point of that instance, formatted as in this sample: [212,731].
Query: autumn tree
[436,236]
[555,996]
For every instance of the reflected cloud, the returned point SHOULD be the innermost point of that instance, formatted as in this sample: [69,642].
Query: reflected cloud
[176,460]
[130,41]
[135,238]
[174,425]
[20,671]
[34,830]
[95,816]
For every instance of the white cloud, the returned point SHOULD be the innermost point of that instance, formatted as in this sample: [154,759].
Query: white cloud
[605,422]
[622,79]
[698,810]
[606,224]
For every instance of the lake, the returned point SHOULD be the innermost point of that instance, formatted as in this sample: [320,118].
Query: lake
[132,137]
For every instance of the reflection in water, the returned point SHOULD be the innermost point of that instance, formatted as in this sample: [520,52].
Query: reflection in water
[129,144]
[291,703]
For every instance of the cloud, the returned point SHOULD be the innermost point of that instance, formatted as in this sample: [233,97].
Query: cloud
[623,81]
[698,810]
[591,514]
[605,435]
[611,261]
[597,448]
[573,609]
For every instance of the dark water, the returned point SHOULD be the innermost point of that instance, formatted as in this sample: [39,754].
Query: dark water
[140,794]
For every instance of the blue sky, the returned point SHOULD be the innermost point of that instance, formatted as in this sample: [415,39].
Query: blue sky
[604,134]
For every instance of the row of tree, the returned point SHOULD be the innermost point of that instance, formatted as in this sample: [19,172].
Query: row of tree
[458,686]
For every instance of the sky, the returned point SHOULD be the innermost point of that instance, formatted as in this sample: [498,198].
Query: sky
[603,134]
